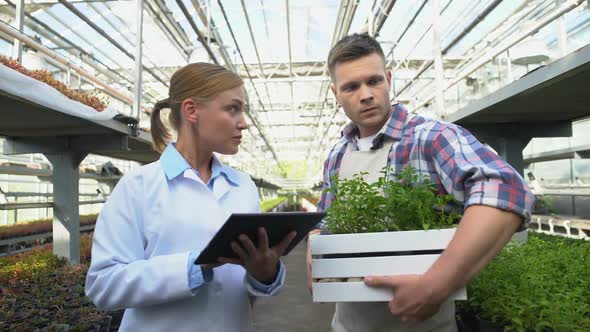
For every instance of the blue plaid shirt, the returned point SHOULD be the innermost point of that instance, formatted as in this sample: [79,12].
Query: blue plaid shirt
[456,162]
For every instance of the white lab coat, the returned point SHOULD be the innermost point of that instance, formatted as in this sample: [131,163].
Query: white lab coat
[155,216]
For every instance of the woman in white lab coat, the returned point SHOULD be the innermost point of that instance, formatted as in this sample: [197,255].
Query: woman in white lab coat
[160,216]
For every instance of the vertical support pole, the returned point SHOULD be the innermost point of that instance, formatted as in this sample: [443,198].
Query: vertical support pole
[138,62]
[46,185]
[69,76]
[511,150]
[81,65]
[562,32]
[393,87]
[17,47]
[370,20]
[290,70]
[509,66]
[438,65]
[15,211]
[66,214]
[208,28]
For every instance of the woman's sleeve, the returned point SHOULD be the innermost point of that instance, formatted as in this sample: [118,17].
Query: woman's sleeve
[120,275]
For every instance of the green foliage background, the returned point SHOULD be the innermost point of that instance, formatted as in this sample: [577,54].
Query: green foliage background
[542,285]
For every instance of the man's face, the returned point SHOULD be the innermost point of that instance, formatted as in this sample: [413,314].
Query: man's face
[362,86]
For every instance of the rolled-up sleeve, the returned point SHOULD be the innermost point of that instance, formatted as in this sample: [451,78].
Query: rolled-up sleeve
[197,277]
[475,175]
[257,288]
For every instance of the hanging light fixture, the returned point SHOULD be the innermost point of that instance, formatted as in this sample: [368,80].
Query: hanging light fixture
[31,59]
[530,51]
[199,53]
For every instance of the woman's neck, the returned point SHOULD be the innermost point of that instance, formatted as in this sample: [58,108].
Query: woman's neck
[199,159]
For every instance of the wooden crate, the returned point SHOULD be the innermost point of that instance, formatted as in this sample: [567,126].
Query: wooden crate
[391,253]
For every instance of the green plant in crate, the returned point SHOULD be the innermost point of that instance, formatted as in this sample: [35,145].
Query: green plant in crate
[406,201]
[357,208]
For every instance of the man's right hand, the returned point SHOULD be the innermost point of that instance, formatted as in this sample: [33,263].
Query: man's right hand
[308,258]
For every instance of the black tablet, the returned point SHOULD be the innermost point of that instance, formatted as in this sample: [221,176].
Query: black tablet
[277,225]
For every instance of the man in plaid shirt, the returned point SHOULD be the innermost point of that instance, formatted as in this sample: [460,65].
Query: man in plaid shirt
[495,199]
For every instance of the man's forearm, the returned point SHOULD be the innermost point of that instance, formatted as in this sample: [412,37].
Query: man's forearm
[481,234]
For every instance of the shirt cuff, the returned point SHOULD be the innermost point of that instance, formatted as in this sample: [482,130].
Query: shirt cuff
[197,276]
[517,200]
[257,288]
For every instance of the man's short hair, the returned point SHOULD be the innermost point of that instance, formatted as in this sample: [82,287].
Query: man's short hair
[351,48]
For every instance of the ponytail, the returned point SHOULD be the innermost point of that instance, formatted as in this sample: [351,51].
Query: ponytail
[160,134]
[198,81]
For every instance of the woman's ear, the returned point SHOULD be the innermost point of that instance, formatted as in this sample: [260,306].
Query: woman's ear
[189,110]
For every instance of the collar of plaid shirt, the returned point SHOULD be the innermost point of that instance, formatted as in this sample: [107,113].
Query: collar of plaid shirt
[393,128]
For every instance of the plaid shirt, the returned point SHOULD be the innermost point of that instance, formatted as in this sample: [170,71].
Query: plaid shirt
[455,161]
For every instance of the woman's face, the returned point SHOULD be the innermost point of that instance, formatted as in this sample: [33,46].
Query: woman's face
[221,121]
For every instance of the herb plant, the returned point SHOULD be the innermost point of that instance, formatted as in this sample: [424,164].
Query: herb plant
[542,285]
[406,201]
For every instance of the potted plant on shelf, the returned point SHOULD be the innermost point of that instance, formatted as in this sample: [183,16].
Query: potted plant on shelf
[543,285]
[397,225]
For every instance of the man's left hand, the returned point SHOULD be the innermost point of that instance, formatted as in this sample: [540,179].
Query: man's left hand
[413,300]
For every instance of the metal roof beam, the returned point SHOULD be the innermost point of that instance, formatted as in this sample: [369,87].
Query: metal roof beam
[256,50]
[253,118]
[472,66]
[163,22]
[344,19]
[177,30]
[94,26]
[213,29]
[200,36]
[127,39]
[64,43]
[381,16]
[455,41]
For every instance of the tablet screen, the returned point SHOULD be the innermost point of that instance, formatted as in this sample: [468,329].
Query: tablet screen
[277,225]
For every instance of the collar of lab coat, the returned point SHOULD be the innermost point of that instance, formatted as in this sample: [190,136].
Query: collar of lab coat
[174,164]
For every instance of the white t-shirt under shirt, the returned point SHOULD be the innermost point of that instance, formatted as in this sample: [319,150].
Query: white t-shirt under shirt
[365,143]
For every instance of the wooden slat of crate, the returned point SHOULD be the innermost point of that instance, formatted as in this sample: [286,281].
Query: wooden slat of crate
[366,266]
[359,292]
[381,242]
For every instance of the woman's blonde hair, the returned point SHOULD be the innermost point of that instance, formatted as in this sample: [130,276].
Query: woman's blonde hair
[200,81]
